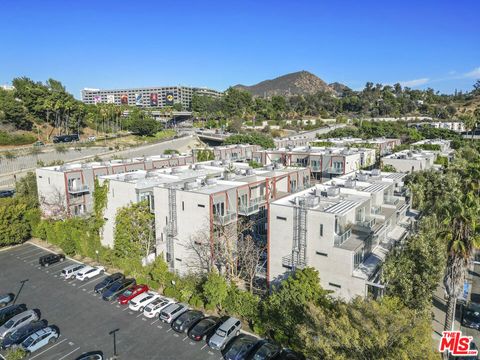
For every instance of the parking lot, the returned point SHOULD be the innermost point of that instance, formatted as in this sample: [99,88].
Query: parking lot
[84,319]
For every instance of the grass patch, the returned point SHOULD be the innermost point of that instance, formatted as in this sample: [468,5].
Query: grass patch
[16,139]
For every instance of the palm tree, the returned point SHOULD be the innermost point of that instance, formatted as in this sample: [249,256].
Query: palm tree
[462,235]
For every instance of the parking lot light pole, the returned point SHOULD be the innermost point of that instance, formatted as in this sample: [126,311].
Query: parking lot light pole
[20,290]
[96,253]
[114,332]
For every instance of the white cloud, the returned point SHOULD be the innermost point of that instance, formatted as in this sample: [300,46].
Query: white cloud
[415,82]
[474,74]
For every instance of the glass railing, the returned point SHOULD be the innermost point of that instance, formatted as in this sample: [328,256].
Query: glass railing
[390,200]
[78,189]
[335,170]
[341,238]
[251,207]
[224,219]
[367,223]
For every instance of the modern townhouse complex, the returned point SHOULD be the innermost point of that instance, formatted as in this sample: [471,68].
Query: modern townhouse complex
[324,163]
[383,146]
[442,145]
[243,152]
[195,203]
[410,160]
[343,228]
[151,97]
[456,126]
[66,190]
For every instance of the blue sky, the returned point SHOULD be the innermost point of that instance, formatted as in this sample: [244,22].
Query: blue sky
[119,43]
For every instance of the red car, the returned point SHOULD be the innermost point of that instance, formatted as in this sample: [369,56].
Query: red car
[131,292]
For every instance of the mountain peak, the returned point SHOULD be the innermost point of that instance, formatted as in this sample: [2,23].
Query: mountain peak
[297,83]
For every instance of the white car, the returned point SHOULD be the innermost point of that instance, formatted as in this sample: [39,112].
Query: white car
[139,302]
[154,308]
[89,272]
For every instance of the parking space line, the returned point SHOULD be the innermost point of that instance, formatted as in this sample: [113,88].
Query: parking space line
[203,347]
[51,347]
[98,279]
[71,352]
[139,315]
[23,253]
[169,330]
[155,321]
[31,255]
[52,266]
[185,338]
[125,309]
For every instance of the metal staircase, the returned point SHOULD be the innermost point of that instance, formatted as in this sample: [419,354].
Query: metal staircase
[298,258]
[172,225]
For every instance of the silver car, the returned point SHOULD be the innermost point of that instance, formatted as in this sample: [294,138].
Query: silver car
[18,321]
[225,332]
[6,299]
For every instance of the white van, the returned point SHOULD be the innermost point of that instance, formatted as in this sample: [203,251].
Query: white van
[71,271]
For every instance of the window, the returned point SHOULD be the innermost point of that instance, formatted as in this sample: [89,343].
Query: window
[321,253]
[183,205]
[178,259]
[201,205]
[334,285]
[281,218]
[321,229]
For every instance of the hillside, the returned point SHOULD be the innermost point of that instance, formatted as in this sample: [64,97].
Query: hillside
[297,83]
[339,88]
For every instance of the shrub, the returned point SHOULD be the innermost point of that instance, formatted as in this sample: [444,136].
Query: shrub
[14,139]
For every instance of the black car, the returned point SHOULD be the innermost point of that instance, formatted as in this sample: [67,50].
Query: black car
[471,316]
[92,355]
[287,354]
[65,138]
[240,347]
[187,320]
[49,259]
[109,280]
[8,312]
[6,193]
[118,287]
[264,350]
[205,328]
[17,337]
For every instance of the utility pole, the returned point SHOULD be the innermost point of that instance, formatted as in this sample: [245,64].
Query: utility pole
[114,332]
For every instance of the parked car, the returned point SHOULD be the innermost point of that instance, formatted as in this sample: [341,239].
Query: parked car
[71,271]
[6,299]
[205,328]
[91,138]
[50,259]
[471,316]
[19,335]
[153,309]
[65,138]
[264,350]
[38,143]
[118,287]
[89,272]
[39,339]
[241,346]
[17,321]
[185,321]
[92,355]
[131,293]
[142,300]
[287,354]
[172,311]
[7,193]
[10,311]
[109,280]
[225,332]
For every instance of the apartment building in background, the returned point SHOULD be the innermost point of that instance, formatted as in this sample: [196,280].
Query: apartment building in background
[238,152]
[324,163]
[383,146]
[410,160]
[343,228]
[150,97]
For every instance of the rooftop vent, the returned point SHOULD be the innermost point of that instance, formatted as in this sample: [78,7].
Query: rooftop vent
[210,181]
[191,185]
[375,172]
[333,191]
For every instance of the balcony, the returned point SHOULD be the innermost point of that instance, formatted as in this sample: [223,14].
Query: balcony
[375,210]
[315,167]
[367,223]
[335,170]
[390,200]
[251,207]
[225,219]
[341,238]
[78,189]
[261,272]
[289,262]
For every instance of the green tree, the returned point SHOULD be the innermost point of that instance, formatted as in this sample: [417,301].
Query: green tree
[134,235]
[14,222]
[26,188]
[15,354]
[215,290]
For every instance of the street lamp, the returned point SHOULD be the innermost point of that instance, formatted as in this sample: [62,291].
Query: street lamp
[113,332]
[20,290]
[96,253]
